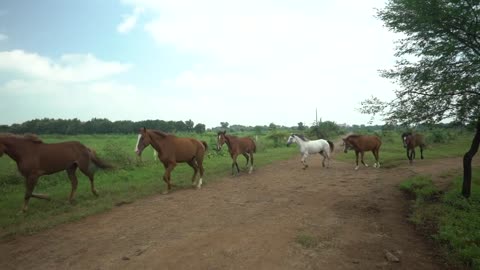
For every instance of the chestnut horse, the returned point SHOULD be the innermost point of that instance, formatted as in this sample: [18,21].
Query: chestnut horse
[236,146]
[362,143]
[172,150]
[35,158]
[410,142]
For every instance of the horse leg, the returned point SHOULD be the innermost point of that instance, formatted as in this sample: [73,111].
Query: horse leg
[421,152]
[246,156]
[73,181]
[194,166]
[377,161]
[356,160]
[234,163]
[304,161]
[200,167]
[84,169]
[30,184]
[168,174]
[324,157]
[361,155]
[251,163]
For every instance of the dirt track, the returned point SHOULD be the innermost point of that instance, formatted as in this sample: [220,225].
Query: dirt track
[248,222]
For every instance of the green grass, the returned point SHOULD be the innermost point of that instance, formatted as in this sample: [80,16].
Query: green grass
[130,181]
[451,220]
[307,241]
[393,154]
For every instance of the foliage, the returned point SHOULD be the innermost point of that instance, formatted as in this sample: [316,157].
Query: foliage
[97,126]
[278,137]
[301,126]
[224,125]
[451,220]
[325,130]
[439,61]
[199,128]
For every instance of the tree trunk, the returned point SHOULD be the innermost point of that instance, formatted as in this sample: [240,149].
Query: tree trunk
[467,162]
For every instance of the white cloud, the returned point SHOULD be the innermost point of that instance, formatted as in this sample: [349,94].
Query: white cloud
[129,21]
[3,37]
[69,68]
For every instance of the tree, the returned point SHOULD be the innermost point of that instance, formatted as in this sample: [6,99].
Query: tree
[438,67]
[301,126]
[189,125]
[199,128]
[224,125]
[272,127]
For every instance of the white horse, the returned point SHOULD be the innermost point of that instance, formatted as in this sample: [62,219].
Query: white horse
[307,147]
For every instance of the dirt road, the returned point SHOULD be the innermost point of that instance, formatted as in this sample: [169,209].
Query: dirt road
[280,217]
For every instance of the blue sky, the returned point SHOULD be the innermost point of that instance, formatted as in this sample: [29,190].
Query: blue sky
[244,62]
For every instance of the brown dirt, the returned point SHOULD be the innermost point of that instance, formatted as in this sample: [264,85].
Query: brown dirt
[349,218]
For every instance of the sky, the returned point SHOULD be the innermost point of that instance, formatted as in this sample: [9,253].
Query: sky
[251,62]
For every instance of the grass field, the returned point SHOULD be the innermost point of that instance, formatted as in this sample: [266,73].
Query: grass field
[131,180]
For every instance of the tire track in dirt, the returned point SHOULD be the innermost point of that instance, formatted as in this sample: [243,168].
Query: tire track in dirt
[248,222]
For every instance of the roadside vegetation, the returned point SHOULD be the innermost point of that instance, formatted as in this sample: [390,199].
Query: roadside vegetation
[449,219]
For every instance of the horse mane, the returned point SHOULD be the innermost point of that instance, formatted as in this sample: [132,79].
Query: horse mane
[33,138]
[160,133]
[353,136]
[302,137]
[28,137]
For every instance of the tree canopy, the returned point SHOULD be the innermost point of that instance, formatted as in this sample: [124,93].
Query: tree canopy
[438,66]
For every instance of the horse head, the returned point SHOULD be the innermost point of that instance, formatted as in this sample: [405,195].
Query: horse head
[291,139]
[346,145]
[143,141]
[405,135]
[221,139]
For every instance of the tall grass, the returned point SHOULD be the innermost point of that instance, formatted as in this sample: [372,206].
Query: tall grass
[132,179]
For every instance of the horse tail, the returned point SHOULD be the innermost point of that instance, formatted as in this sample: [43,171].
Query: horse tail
[254,150]
[205,145]
[98,162]
[331,146]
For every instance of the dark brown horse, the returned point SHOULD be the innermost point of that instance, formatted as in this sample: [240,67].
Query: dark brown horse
[362,143]
[35,158]
[410,142]
[236,146]
[172,150]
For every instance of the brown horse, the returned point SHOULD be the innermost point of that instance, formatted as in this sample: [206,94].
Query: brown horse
[410,142]
[362,143]
[35,158]
[236,146]
[172,150]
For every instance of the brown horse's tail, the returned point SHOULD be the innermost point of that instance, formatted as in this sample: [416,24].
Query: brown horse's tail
[254,146]
[331,146]
[98,162]
[205,144]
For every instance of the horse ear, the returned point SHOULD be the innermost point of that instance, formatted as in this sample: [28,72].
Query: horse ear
[143,130]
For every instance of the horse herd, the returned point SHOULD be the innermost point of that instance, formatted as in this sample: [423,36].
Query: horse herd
[35,158]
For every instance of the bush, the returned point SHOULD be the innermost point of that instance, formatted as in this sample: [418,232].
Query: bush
[118,157]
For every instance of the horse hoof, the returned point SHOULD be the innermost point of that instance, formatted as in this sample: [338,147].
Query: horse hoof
[165,192]
[356,168]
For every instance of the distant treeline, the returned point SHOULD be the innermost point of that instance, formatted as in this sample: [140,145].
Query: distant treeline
[324,129]
[98,126]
